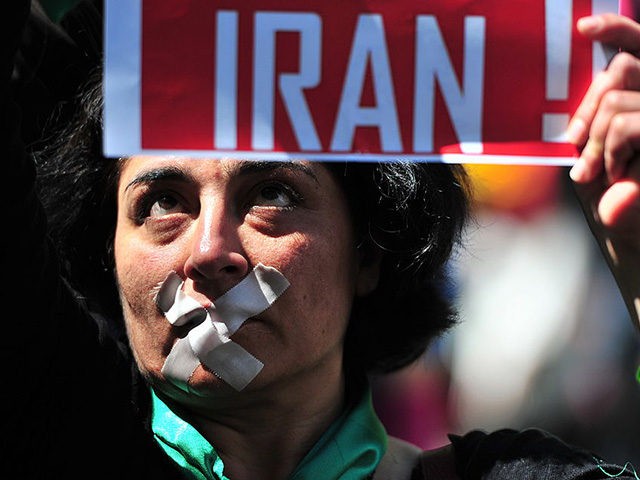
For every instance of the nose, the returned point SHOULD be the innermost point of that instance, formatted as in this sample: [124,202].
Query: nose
[216,260]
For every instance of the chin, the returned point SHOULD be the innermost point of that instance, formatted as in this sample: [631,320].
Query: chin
[203,383]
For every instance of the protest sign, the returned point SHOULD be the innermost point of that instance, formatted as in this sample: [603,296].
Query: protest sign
[453,80]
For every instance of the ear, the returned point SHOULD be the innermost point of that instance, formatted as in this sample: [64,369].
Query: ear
[368,270]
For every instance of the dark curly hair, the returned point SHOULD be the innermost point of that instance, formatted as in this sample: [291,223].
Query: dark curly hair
[412,215]
[409,214]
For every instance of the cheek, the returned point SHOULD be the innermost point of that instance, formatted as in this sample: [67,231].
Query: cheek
[139,270]
[322,277]
[140,267]
[314,264]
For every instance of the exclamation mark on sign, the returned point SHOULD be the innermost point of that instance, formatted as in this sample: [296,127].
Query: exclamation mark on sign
[558,26]
[602,54]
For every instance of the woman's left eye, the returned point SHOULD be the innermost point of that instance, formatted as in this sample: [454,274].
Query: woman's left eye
[275,195]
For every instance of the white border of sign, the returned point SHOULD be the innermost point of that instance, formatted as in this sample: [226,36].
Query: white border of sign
[123,20]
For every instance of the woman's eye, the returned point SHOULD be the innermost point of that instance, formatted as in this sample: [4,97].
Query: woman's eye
[275,196]
[164,205]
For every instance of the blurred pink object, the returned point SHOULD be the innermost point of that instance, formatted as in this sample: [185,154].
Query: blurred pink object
[630,8]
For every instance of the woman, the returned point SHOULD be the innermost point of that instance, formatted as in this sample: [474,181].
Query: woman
[353,256]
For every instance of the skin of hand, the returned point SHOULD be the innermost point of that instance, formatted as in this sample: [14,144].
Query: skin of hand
[606,129]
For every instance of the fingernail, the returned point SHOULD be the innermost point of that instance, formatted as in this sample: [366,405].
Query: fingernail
[576,130]
[577,172]
[589,24]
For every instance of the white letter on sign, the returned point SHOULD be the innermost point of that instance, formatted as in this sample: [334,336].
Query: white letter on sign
[225,134]
[290,85]
[464,105]
[368,43]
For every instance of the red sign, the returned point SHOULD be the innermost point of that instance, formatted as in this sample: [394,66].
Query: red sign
[453,80]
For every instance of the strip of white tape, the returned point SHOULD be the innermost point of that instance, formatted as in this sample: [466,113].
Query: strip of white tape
[233,364]
[180,360]
[178,307]
[252,296]
[208,341]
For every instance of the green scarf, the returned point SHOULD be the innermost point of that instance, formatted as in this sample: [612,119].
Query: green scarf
[349,450]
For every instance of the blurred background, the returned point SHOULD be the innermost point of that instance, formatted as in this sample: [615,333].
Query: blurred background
[544,339]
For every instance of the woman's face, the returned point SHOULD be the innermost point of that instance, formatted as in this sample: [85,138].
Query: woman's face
[212,221]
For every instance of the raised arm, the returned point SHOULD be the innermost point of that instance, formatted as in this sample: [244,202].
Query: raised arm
[606,127]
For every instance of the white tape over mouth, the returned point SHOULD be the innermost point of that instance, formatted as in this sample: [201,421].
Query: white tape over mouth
[208,341]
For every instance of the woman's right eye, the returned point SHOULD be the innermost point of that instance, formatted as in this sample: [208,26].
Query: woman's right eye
[165,205]
[158,205]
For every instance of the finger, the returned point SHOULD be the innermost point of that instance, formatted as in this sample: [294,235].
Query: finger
[619,209]
[613,29]
[616,30]
[613,103]
[578,130]
[621,144]
[623,73]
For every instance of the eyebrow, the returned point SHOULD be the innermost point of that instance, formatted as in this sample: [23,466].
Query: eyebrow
[247,167]
[161,173]
[258,166]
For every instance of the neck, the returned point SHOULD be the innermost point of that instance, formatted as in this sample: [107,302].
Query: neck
[266,437]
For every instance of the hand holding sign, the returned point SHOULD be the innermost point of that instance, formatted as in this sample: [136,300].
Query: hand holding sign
[607,128]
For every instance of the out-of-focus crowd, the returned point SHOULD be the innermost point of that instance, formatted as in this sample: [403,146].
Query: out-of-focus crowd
[544,339]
